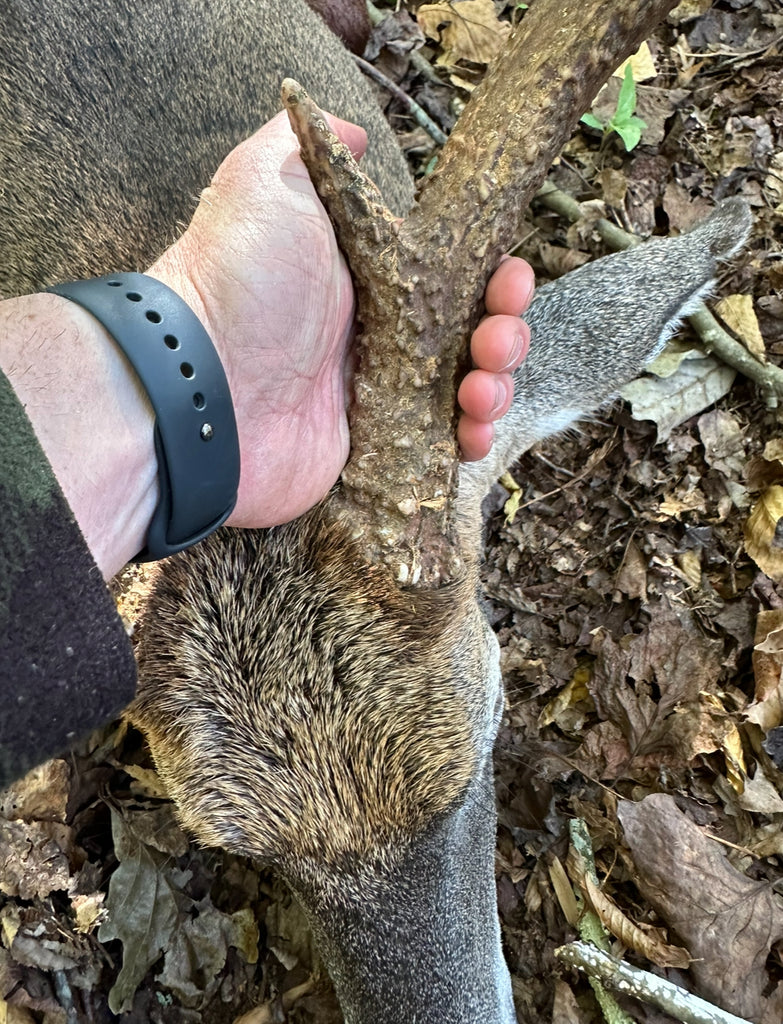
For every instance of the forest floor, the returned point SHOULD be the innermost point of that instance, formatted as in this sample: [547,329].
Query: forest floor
[637,594]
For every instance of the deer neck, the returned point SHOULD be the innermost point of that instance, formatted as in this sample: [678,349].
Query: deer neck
[415,937]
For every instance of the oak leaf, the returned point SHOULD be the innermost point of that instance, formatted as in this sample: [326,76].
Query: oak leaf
[467,30]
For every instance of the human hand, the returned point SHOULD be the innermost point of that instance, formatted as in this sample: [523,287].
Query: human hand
[260,266]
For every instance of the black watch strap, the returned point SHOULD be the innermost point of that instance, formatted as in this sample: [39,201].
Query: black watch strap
[195,431]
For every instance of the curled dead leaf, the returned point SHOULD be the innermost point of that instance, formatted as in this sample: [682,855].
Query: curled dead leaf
[766,710]
[650,943]
[467,30]
[737,312]
[761,536]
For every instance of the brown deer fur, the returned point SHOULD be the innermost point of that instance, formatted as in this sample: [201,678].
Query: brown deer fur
[287,644]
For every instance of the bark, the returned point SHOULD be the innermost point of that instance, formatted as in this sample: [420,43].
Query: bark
[419,284]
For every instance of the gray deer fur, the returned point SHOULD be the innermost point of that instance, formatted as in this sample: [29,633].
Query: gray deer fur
[302,709]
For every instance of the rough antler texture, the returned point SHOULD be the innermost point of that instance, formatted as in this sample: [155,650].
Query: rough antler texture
[414,328]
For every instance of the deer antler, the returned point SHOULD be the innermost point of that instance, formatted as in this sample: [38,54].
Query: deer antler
[419,283]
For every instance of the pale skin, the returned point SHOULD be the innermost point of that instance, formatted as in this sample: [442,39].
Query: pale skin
[260,267]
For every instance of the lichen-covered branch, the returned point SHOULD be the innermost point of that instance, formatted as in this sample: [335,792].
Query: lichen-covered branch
[649,988]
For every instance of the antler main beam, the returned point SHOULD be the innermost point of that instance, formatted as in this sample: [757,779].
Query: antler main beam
[419,283]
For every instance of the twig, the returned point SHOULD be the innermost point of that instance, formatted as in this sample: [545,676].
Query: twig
[643,985]
[715,338]
[590,926]
[420,63]
[419,113]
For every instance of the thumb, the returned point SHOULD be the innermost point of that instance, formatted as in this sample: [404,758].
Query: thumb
[354,137]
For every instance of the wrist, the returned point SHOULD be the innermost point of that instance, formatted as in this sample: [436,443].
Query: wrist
[91,416]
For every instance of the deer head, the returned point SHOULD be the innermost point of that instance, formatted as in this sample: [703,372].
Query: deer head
[324,696]
[305,709]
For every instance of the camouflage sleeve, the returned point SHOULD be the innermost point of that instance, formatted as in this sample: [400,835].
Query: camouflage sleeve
[66,665]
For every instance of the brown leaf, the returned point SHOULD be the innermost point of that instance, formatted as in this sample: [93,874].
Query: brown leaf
[728,922]
[564,892]
[41,795]
[761,541]
[767,708]
[566,1009]
[558,260]
[682,209]
[466,30]
[649,685]
[34,858]
[651,944]
[737,313]
[631,578]
[724,442]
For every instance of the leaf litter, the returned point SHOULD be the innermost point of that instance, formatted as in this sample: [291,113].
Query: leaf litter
[637,596]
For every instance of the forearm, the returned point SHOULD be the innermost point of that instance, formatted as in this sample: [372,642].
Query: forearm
[91,416]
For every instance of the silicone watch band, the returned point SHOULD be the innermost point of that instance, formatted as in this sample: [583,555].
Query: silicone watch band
[195,430]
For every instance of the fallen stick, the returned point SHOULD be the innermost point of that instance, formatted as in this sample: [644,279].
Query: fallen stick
[643,985]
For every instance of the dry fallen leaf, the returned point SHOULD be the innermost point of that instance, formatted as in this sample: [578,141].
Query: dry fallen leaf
[642,65]
[515,496]
[761,533]
[631,577]
[766,710]
[738,314]
[41,795]
[466,29]
[728,921]
[763,470]
[35,858]
[650,942]
[571,705]
[687,10]
[773,183]
[759,795]
[650,686]
[566,1009]
[676,394]
[724,442]
[14,1014]
[89,911]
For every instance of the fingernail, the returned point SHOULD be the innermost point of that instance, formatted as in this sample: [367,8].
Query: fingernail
[500,398]
[517,352]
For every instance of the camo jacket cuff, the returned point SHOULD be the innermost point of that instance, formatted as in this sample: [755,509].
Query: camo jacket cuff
[66,664]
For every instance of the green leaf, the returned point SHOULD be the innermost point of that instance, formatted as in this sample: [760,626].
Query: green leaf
[592,121]
[630,132]
[626,100]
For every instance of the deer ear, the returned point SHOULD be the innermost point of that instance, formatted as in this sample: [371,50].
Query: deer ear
[726,229]
[348,19]
[594,329]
